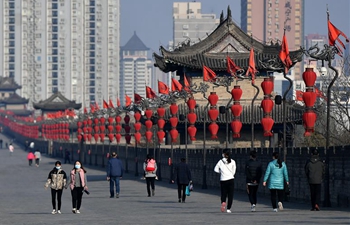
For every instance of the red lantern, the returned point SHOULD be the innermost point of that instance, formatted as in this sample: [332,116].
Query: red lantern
[161,112]
[148,124]
[79,123]
[118,137]
[149,135]
[173,108]
[267,124]
[110,128]
[118,119]
[96,137]
[192,130]
[110,120]
[102,128]
[137,126]
[84,136]
[127,128]
[126,119]
[85,122]
[174,134]
[213,98]
[309,97]
[148,113]
[191,103]
[111,137]
[137,116]
[173,121]
[161,123]
[118,128]
[267,86]
[236,93]
[309,119]
[309,77]
[80,130]
[236,109]
[89,137]
[102,120]
[160,135]
[96,128]
[267,105]
[102,137]
[213,114]
[137,136]
[96,121]
[89,122]
[191,117]
[236,127]
[213,128]
[79,137]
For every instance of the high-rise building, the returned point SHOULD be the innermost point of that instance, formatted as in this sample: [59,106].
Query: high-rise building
[190,24]
[135,68]
[267,19]
[60,45]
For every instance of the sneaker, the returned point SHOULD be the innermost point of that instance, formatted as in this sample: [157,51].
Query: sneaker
[317,207]
[156,178]
[275,210]
[53,211]
[179,199]
[153,192]
[59,211]
[228,211]
[74,210]
[77,212]
[223,206]
[111,196]
[117,196]
[252,208]
[280,206]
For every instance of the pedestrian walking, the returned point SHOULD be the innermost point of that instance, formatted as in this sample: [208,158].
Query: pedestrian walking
[37,156]
[227,169]
[31,146]
[315,170]
[30,158]
[253,171]
[275,176]
[56,180]
[114,174]
[11,149]
[183,178]
[150,168]
[66,156]
[77,184]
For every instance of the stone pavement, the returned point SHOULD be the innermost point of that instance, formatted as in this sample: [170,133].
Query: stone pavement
[25,201]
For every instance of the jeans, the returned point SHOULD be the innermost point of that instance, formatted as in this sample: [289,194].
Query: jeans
[77,195]
[227,189]
[53,198]
[280,195]
[112,181]
[252,191]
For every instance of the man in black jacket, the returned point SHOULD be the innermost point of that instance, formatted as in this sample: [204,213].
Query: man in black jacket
[253,171]
[315,170]
[114,174]
[183,177]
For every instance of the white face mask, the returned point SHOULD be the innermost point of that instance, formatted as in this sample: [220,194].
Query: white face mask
[223,155]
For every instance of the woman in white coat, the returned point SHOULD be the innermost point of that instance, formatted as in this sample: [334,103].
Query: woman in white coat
[227,169]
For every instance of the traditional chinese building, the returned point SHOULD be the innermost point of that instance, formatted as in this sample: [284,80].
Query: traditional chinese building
[57,102]
[10,100]
[229,40]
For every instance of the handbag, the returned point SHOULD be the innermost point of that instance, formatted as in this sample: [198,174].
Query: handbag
[286,189]
[188,192]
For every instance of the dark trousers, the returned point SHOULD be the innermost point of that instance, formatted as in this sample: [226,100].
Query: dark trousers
[227,189]
[280,195]
[77,195]
[53,198]
[37,161]
[315,192]
[252,193]
[150,183]
[30,162]
[66,159]
[181,188]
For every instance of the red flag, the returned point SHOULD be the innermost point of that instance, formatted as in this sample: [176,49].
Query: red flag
[96,106]
[208,74]
[150,93]
[299,95]
[284,54]
[105,105]
[110,104]
[118,102]
[319,93]
[333,36]
[85,110]
[127,100]
[175,85]
[137,98]
[251,68]
[163,88]
[232,68]
[92,108]
[187,84]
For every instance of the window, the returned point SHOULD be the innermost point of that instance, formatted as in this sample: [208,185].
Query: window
[55,13]
[54,28]
[92,46]
[92,97]
[54,67]
[12,43]
[54,74]
[92,24]
[11,59]
[12,74]
[55,44]
[92,2]
[92,83]
[12,28]
[92,39]
[92,54]
[54,36]
[55,59]
[11,51]
[11,20]
[92,32]
[92,68]
[11,66]
[92,61]
[54,21]
[92,17]
[54,89]
[54,5]
[92,76]
[54,82]
[11,35]
[92,90]
[12,12]
[54,51]
[92,10]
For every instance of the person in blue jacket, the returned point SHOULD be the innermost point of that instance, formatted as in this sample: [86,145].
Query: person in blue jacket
[114,174]
[275,176]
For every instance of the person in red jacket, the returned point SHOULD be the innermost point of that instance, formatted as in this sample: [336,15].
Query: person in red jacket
[30,158]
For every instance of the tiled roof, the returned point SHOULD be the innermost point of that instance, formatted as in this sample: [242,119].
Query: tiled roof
[56,102]
[15,99]
[8,83]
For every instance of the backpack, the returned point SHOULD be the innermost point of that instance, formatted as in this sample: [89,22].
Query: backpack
[150,166]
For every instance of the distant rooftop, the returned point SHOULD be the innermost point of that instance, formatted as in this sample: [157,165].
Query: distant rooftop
[134,44]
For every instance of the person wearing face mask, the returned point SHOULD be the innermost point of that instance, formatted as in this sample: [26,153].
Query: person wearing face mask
[77,185]
[227,169]
[57,180]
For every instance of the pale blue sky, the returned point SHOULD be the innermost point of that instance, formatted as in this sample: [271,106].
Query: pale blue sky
[153,23]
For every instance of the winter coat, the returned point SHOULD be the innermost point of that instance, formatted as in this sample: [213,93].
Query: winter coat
[57,179]
[276,176]
[182,173]
[37,155]
[227,170]
[30,156]
[82,179]
[150,173]
[253,171]
[115,168]
[315,170]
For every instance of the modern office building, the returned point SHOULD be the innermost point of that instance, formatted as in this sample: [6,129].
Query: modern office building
[267,19]
[70,46]
[135,68]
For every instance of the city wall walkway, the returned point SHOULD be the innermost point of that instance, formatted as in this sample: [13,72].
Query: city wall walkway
[24,200]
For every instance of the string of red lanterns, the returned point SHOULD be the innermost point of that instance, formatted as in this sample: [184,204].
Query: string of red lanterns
[236,110]
[213,115]
[267,105]
[191,118]
[309,98]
